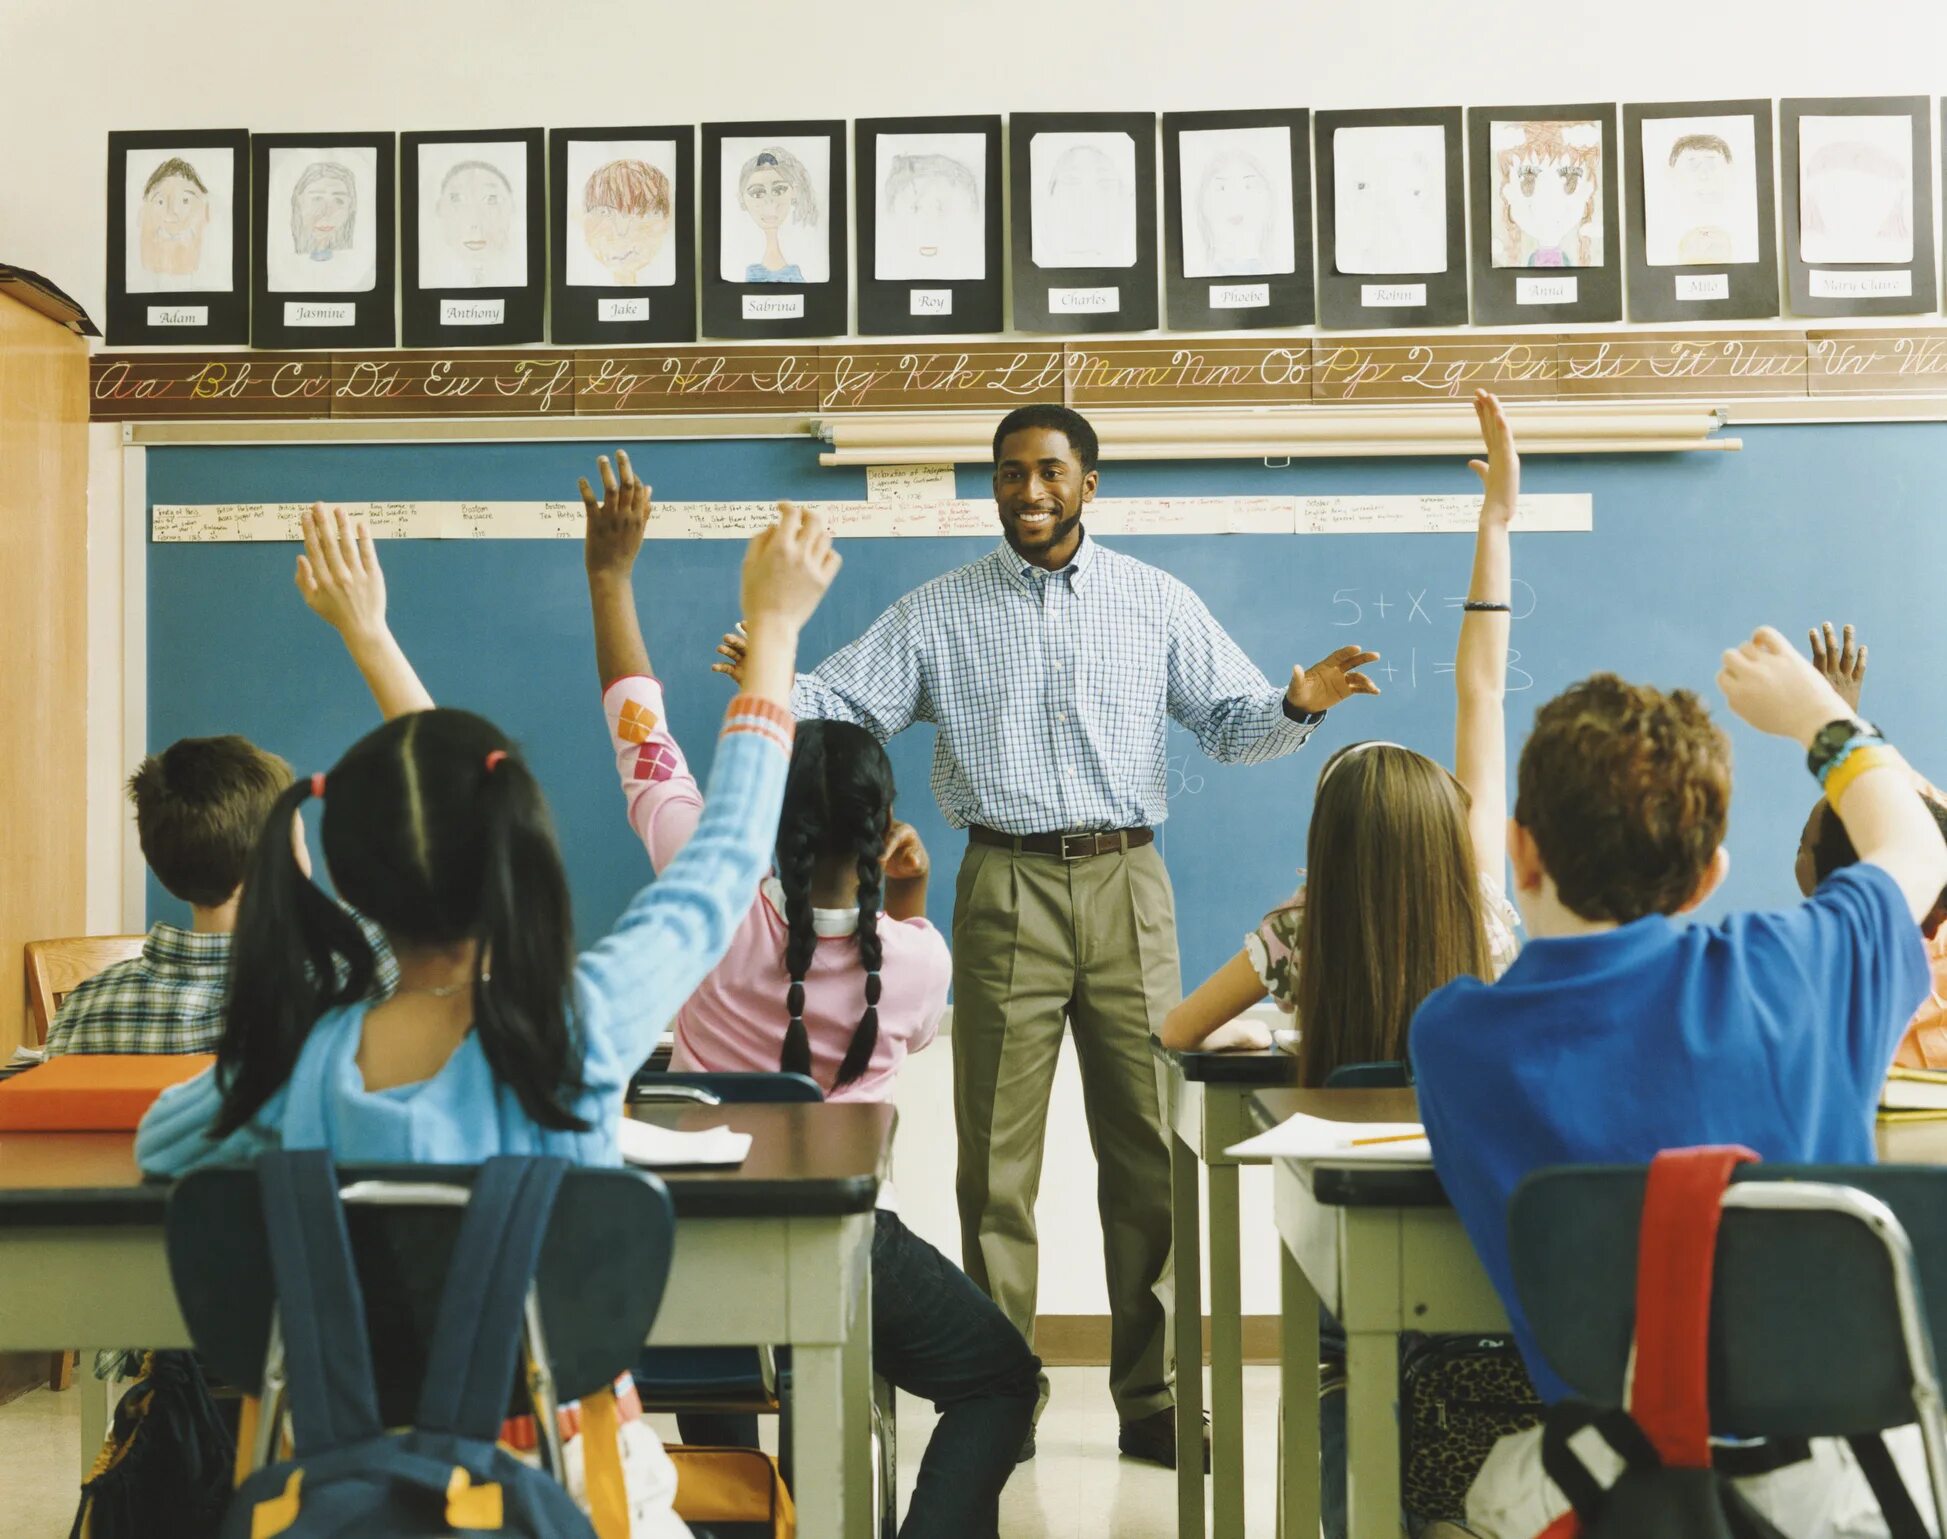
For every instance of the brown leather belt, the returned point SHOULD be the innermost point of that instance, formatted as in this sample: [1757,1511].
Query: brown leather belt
[1074,846]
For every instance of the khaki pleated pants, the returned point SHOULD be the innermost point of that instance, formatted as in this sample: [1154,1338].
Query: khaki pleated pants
[1038,943]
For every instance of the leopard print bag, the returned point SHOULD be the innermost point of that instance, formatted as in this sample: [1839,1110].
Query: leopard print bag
[1458,1397]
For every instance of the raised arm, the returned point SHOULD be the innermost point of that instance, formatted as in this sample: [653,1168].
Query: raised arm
[874,683]
[1777,691]
[340,578]
[611,538]
[1481,666]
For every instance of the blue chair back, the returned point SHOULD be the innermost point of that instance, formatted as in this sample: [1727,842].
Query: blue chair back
[1390,1075]
[653,1085]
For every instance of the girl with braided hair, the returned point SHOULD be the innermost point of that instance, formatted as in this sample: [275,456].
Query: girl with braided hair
[834,973]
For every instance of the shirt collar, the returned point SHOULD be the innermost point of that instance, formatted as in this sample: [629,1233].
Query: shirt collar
[170,946]
[1026,573]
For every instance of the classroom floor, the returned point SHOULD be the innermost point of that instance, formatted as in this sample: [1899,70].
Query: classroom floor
[1076,1488]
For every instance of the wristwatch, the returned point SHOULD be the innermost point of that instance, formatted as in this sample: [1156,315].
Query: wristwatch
[1832,739]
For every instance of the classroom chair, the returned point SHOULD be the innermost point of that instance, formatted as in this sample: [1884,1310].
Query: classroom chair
[53,968]
[1389,1075]
[745,1382]
[1839,1346]
[604,1263]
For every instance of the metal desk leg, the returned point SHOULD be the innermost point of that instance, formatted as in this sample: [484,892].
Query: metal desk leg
[831,1403]
[95,1397]
[1372,1434]
[1297,1402]
[1226,1361]
[1186,1219]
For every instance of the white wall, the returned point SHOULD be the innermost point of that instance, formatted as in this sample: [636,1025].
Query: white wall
[71,70]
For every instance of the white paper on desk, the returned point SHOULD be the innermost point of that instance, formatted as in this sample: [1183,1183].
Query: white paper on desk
[661,1148]
[1318,1138]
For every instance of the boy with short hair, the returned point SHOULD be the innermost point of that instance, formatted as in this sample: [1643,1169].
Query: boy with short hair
[199,806]
[1618,1033]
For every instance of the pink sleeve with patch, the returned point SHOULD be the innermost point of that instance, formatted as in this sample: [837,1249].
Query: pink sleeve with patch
[664,800]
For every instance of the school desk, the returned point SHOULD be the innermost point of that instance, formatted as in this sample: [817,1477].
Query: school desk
[775,1251]
[1205,1098]
[1384,1251]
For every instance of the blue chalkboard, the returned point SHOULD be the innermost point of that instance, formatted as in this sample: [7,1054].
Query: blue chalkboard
[1689,553]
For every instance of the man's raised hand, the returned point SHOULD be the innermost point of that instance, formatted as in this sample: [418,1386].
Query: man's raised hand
[1324,684]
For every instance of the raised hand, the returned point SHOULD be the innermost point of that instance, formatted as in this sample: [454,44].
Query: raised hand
[787,568]
[1500,472]
[1777,691]
[734,647]
[1842,663]
[339,573]
[615,525]
[1326,683]
[905,859]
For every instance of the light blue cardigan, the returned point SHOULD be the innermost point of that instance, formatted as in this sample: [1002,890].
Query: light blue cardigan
[626,990]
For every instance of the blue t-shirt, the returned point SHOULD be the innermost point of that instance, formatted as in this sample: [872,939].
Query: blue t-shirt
[1771,1030]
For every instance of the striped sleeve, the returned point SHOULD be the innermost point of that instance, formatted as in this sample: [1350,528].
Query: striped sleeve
[753,713]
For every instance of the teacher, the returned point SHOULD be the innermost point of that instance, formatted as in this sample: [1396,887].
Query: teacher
[1052,667]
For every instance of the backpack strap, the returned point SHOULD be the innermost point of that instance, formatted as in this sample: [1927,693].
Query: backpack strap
[478,1330]
[1896,1505]
[1562,1465]
[1676,1259]
[320,1309]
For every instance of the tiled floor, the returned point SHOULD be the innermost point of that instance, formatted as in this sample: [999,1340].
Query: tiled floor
[1076,1488]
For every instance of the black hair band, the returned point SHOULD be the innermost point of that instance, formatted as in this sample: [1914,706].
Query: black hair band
[1483,607]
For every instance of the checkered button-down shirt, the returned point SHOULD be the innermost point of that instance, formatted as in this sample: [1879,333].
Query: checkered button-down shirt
[1053,691]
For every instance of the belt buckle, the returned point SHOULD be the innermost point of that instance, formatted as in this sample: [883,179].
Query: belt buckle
[1085,846]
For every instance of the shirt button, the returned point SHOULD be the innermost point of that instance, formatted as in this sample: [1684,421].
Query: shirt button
[1061,716]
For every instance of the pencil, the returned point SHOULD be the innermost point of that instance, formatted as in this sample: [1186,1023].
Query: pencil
[1390,1138]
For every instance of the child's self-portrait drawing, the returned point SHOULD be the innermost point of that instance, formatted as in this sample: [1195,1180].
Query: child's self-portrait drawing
[178,220]
[622,208]
[1389,198]
[1236,201]
[1855,189]
[1547,198]
[928,205]
[473,215]
[772,210]
[318,232]
[1700,190]
[1082,207]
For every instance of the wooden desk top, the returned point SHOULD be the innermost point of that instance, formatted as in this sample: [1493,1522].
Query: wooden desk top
[1416,1186]
[811,1160]
[1262,1066]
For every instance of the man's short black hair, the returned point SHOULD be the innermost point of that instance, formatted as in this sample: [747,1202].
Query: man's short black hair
[1056,419]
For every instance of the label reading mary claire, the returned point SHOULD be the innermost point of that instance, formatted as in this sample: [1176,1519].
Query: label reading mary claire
[472,312]
[773,307]
[1084,301]
[302,312]
[179,315]
[1830,285]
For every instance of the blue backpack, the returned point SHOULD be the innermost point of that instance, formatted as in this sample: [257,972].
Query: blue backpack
[444,1474]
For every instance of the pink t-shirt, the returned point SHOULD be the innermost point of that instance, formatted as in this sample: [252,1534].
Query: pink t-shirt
[735,1021]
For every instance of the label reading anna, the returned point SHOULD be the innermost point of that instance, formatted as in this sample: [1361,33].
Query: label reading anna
[299,312]
[179,315]
[1825,284]
[1544,291]
[773,307]
[1392,296]
[472,312]
[1104,301]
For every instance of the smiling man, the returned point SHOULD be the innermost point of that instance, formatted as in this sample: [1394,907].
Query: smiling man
[1053,667]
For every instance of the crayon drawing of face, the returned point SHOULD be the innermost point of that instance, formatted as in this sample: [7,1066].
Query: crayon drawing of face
[175,214]
[774,189]
[324,210]
[625,213]
[475,212]
[1856,191]
[1547,177]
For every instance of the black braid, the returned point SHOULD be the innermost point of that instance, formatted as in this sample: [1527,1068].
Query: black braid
[871,849]
[796,854]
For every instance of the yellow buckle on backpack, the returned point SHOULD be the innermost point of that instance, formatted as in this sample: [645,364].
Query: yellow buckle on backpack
[274,1514]
[467,1505]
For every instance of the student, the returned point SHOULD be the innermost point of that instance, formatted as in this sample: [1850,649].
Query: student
[1825,847]
[1618,1033]
[834,972]
[498,1040]
[1404,863]
[199,805]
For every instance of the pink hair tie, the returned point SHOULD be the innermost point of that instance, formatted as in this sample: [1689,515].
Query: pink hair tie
[317,785]
[494,759]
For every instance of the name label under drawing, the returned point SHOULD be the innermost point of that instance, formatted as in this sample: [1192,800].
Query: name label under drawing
[1239,296]
[1105,301]
[773,307]
[308,313]
[634,308]
[1392,296]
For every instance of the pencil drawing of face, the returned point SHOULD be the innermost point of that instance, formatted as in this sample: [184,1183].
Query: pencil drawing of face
[1083,207]
[472,213]
[324,211]
[175,216]
[1855,182]
[775,190]
[476,211]
[929,210]
[1548,184]
[625,212]
[1700,190]
[1236,193]
[771,203]
[1389,198]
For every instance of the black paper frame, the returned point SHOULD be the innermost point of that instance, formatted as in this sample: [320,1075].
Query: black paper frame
[1341,298]
[1753,286]
[1290,298]
[228,320]
[1497,290]
[574,311]
[825,304]
[373,325]
[522,306]
[885,305]
[1136,306]
[1925,289]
